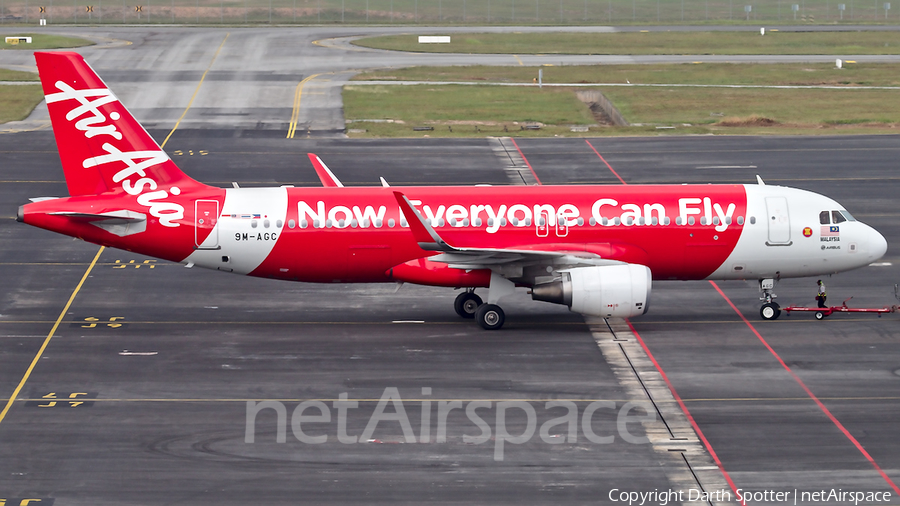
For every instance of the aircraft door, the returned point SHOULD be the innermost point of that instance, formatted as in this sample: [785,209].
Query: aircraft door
[562,226]
[542,224]
[206,215]
[779,221]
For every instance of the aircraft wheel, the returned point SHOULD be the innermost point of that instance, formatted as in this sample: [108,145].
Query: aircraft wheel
[820,315]
[770,311]
[490,316]
[466,304]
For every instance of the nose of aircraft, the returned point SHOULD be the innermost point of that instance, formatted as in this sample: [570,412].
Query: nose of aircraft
[877,245]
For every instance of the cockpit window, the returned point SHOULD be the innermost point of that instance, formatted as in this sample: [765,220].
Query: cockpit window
[847,215]
[837,217]
[824,218]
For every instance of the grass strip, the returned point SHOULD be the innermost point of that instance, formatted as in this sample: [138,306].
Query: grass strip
[427,104]
[640,43]
[757,107]
[778,74]
[18,75]
[478,111]
[17,101]
[43,41]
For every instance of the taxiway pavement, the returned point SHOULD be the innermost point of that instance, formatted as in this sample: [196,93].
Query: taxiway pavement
[168,357]
[162,360]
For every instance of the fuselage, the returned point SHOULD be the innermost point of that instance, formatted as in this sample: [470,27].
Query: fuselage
[359,234]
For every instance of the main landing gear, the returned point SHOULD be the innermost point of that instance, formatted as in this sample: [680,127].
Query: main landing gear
[469,305]
[770,309]
[466,303]
[490,316]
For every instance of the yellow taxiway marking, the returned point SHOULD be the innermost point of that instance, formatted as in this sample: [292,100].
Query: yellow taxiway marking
[336,400]
[295,114]
[99,252]
[40,352]
[518,60]
[433,399]
[202,78]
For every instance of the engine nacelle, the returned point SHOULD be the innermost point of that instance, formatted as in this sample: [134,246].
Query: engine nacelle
[609,291]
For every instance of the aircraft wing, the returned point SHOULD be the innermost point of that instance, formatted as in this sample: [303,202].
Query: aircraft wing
[523,262]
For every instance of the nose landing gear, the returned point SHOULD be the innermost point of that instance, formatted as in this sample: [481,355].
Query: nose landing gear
[770,309]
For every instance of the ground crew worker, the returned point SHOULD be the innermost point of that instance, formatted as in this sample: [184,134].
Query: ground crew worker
[821,296]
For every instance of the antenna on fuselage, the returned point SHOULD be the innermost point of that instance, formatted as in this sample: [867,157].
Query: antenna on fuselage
[759,181]
[384,183]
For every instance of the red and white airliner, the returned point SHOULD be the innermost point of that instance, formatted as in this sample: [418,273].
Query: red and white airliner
[594,249]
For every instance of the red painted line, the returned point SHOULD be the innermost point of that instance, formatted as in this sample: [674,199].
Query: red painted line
[684,408]
[526,161]
[604,161]
[809,392]
[687,412]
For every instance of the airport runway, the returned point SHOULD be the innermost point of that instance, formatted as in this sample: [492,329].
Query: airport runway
[141,396]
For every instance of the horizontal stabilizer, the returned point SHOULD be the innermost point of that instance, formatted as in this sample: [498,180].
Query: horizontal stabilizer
[120,223]
[123,215]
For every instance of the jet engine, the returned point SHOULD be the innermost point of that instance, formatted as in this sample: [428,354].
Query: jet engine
[608,291]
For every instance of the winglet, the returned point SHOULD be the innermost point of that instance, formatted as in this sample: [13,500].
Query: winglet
[759,181]
[423,232]
[329,180]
